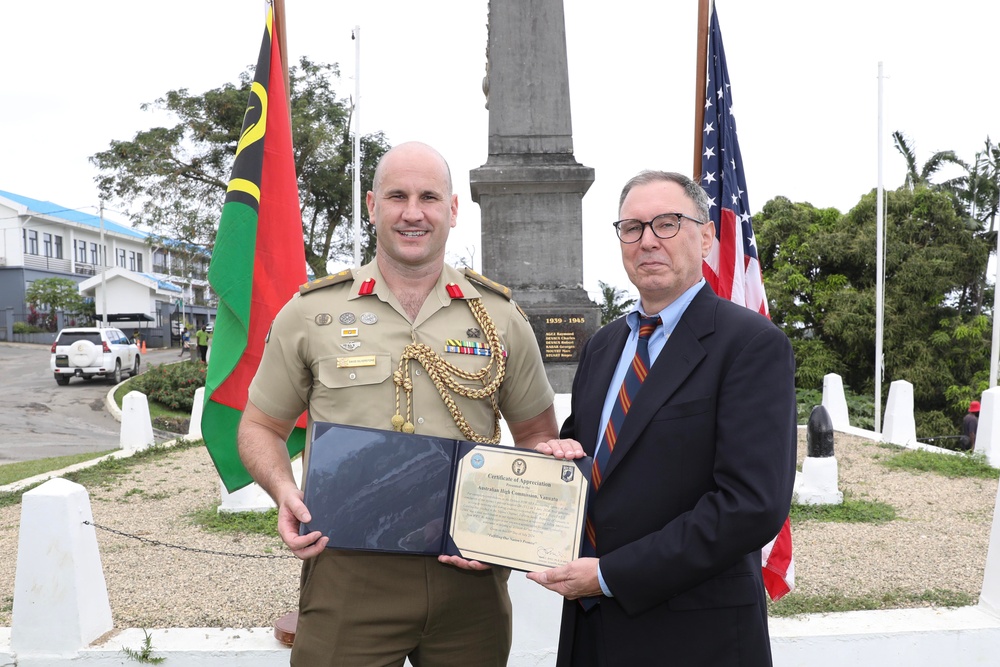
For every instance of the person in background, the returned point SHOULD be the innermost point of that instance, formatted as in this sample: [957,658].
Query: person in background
[970,424]
[202,337]
[185,341]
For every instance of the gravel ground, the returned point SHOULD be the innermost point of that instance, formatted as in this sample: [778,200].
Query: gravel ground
[939,542]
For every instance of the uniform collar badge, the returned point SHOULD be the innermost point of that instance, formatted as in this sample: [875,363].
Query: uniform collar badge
[367,287]
[454,291]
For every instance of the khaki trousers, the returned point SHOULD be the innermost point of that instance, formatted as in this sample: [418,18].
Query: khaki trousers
[375,610]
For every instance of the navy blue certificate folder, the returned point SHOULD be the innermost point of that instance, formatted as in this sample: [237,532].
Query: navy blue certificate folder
[387,491]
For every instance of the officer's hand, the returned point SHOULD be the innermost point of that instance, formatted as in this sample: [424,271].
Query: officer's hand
[460,562]
[292,513]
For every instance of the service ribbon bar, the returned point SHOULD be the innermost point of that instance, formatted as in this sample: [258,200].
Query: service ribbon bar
[469,347]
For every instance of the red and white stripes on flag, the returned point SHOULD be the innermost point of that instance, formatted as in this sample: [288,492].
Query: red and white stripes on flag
[733,268]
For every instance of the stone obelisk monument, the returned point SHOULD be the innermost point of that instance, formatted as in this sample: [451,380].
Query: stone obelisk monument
[531,188]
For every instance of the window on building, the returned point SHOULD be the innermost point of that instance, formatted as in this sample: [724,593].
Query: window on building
[94,257]
[81,252]
[31,247]
[138,262]
[47,245]
[131,260]
[121,257]
[59,254]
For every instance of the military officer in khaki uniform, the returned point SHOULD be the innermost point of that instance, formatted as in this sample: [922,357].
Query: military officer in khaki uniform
[403,343]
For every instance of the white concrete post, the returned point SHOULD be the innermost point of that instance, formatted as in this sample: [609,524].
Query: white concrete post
[990,595]
[818,482]
[60,597]
[900,427]
[253,498]
[988,432]
[194,426]
[835,402]
[137,429]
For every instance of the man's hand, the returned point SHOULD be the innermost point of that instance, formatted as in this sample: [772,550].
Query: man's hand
[576,579]
[292,513]
[561,449]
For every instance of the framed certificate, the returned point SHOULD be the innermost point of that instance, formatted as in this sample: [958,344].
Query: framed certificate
[369,489]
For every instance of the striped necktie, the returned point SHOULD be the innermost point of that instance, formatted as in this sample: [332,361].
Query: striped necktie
[634,378]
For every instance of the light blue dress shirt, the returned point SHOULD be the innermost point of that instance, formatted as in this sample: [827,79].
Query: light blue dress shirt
[670,316]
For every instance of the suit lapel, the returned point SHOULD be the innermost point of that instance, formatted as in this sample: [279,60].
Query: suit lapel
[678,359]
[605,358]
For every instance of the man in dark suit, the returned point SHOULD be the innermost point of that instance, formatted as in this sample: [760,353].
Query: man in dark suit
[698,461]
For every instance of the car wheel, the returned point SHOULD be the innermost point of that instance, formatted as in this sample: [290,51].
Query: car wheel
[62,380]
[135,366]
[116,377]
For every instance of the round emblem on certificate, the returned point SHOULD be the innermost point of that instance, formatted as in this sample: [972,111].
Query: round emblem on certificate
[519,466]
[324,319]
[478,461]
[348,318]
[369,318]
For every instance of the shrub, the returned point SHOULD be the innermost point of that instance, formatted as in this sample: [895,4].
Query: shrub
[25,328]
[172,385]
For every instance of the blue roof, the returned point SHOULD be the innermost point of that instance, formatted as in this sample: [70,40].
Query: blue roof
[40,207]
[162,284]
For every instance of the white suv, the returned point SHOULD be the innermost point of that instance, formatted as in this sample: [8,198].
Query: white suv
[89,351]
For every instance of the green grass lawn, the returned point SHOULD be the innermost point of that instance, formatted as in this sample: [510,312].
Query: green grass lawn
[14,472]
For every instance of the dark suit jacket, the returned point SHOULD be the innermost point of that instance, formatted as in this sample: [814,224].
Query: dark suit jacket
[700,479]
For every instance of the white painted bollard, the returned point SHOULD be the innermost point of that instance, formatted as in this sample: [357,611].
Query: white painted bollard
[990,595]
[899,426]
[835,402]
[988,432]
[60,597]
[253,498]
[194,426]
[137,429]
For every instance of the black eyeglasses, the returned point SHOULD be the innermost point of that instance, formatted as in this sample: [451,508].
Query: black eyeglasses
[664,226]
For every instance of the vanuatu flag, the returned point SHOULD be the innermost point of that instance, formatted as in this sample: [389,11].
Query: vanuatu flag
[258,261]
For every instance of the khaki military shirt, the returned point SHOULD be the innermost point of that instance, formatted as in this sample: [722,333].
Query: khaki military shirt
[333,348]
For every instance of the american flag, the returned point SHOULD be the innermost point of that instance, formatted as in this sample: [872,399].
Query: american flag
[733,268]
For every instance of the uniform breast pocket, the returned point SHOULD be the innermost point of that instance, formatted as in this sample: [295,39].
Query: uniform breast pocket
[341,372]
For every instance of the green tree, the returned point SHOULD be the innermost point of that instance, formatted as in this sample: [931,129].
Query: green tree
[819,269]
[921,177]
[174,179]
[614,302]
[55,295]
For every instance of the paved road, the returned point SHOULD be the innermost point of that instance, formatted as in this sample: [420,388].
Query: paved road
[39,419]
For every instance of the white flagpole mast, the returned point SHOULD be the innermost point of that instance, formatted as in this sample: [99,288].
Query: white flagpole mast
[356,36]
[995,346]
[879,267]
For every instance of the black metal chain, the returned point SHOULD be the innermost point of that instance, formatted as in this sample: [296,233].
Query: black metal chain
[181,547]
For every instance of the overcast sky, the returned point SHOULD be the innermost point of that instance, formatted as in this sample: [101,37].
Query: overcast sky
[804,81]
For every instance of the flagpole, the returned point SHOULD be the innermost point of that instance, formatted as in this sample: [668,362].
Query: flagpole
[879,267]
[701,73]
[356,196]
[280,35]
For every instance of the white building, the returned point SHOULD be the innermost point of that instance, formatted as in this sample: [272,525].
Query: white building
[144,278]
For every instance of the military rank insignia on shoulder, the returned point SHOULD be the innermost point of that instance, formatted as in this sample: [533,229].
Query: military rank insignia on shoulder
[326,281]
[491,285]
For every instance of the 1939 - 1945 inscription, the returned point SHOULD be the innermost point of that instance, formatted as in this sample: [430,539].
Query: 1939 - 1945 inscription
[560,336]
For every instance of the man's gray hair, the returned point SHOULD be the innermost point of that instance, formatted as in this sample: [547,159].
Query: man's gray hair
[693,191]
